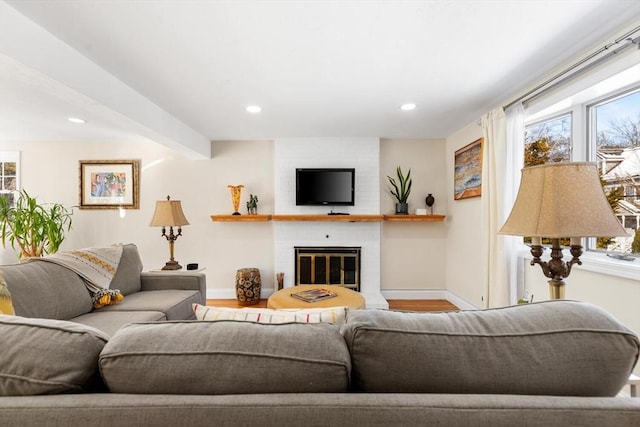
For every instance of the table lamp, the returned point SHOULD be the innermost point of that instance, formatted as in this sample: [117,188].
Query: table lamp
[169,213]
[561,200]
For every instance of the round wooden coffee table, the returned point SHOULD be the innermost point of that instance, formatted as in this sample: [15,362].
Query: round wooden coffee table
[346,297]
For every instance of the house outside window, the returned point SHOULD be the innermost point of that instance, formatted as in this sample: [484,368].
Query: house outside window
[616,132]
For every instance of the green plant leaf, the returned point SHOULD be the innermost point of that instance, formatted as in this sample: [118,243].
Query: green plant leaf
[401,192]
[33,229]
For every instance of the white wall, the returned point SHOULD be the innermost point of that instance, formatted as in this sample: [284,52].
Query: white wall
[407,251]
[464,239]
[359,153]
[50,172]
[413,254]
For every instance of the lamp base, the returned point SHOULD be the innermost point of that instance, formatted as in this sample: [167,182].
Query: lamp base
[556,289]
[172,265]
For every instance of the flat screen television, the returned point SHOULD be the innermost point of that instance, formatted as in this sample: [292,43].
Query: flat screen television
[328,186]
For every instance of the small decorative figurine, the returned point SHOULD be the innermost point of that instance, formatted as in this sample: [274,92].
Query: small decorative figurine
[236,190]
[252,205]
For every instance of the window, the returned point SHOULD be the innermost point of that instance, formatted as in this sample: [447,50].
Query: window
[616,131]
[600,124]
[548,141]
[9,175]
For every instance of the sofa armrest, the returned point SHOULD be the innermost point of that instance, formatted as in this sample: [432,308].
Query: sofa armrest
[156,281]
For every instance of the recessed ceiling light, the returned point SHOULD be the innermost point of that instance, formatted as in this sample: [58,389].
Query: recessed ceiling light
[408,107]
[76,120]
[254,109]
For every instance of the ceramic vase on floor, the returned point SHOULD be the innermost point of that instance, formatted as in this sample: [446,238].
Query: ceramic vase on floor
[248,286]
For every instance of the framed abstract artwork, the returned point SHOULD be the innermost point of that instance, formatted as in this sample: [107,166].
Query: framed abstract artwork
[109,184]
[467,174]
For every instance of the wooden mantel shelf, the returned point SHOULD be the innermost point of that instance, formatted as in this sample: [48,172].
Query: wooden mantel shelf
[329,218]
[414,218]
[241,218]
[333,218]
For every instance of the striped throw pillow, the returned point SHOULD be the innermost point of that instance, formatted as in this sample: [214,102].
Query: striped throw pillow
[334,315]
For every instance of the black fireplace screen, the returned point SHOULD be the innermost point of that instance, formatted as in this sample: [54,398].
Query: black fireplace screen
[328,266]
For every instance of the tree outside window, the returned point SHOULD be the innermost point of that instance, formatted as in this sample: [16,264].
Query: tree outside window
[548,141]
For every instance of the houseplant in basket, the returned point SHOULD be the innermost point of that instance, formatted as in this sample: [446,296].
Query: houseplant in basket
[401,190]
[33,229]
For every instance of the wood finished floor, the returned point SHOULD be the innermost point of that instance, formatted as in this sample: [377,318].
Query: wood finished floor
[394,304]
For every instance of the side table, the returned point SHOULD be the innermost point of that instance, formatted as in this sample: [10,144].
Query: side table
[346,297]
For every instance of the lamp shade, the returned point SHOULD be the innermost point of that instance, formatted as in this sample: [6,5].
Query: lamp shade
[168,213]
[562,200]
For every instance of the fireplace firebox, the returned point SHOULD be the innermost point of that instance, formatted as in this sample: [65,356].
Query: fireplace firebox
[328,266]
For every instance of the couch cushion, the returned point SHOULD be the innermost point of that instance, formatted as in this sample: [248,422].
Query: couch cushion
[46,290]
[175,304]
[44,356]
[127,277]
[226,358]
[110,322]
[550,348]
[333,315]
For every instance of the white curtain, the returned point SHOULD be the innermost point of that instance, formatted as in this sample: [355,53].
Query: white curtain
[502,160]
[515,162]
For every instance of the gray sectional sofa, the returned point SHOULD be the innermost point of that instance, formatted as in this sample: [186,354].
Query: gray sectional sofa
[51,291]
[558,363]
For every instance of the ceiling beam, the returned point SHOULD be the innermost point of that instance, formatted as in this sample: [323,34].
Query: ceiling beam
[29,44]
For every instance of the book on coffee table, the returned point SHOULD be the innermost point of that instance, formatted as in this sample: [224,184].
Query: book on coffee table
[313,295]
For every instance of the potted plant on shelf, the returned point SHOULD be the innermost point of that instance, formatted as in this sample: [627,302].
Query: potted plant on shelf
[401,190]
[33,229]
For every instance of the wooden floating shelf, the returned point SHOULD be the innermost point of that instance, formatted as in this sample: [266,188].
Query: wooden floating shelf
[329,218]
[332,218]
[241,218]
[414,218]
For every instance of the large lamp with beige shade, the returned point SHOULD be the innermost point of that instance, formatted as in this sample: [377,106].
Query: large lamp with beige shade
[169,213]
[561,200]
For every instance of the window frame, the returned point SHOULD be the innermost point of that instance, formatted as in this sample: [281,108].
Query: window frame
[583,129]
[7,156]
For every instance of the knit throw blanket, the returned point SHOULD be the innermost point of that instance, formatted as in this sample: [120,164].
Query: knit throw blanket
[96,266]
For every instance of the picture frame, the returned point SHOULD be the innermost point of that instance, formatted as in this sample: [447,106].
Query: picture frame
[109,184]
[467,174]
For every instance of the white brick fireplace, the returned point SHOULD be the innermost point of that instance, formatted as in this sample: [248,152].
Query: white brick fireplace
[359,153]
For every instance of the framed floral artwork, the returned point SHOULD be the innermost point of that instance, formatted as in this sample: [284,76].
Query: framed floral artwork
[467,174]
[109,184]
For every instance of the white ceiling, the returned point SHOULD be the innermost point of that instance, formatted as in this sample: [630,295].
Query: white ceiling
[317,68]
